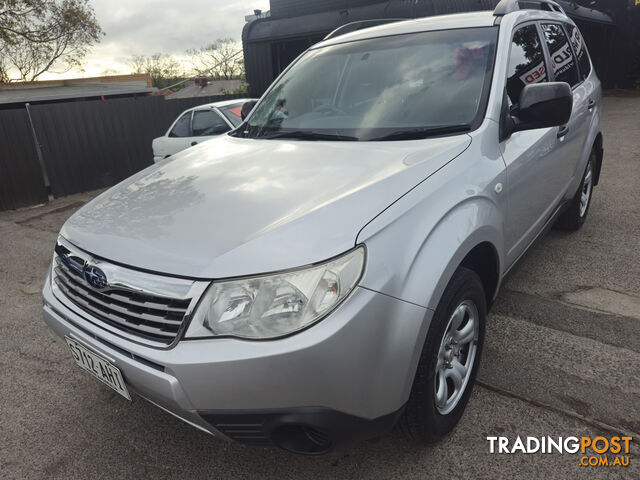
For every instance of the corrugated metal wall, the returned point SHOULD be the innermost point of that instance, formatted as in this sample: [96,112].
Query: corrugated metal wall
[84,145]
[258,66]
[295,8]
[21,182]
[424,8]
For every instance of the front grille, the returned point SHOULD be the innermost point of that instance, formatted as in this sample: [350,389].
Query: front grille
[132,310]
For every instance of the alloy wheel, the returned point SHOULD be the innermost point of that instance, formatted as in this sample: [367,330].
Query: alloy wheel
[456,356]
[585,192]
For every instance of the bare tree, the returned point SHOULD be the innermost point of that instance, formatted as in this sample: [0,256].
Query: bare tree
[164,69]
[37,36]
[4,70]
[221,59]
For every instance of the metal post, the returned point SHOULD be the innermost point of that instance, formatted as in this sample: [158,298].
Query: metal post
[43,168]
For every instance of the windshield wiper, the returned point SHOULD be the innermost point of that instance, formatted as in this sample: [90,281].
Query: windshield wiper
[425,132]
[307,135]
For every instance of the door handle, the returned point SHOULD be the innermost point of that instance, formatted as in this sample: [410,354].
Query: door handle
[562,131]
[194,143]
[591,104]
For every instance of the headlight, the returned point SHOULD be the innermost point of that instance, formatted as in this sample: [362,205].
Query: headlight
[278,304]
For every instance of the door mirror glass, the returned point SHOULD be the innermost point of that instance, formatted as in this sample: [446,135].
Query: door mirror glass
[543,105]
[247,107]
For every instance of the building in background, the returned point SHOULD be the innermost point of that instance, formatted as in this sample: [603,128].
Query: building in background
[273,40]
[16,94]
[203,87]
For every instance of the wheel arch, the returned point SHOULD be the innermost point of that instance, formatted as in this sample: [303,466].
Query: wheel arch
[483,259]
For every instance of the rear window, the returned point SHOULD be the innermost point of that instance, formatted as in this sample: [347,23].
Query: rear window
[233,113]
[564,65]
[580,48]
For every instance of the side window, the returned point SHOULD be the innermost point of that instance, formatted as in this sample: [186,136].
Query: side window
[208,122]
[526,62]
[182,127]
[580,48]
[564,66]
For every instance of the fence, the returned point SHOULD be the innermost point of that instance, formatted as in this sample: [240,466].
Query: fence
[21,181]
[83,145]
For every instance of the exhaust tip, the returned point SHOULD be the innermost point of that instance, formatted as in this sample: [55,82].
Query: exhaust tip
[301,439]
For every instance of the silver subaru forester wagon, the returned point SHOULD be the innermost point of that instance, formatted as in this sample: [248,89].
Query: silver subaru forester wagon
[323,273]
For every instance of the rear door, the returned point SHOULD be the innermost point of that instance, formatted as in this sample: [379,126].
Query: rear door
[565,69]
[587,93]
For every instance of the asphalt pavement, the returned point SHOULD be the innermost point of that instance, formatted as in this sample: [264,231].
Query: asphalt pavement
[562,358]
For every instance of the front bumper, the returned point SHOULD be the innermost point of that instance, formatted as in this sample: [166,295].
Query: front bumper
[346,377]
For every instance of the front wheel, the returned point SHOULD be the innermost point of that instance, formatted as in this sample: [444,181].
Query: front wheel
[449,361]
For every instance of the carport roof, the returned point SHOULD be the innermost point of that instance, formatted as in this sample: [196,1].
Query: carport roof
[576,12]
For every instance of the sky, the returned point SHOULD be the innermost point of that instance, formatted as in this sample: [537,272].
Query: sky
[144,27]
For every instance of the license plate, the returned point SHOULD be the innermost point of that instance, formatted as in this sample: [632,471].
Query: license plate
[97,366]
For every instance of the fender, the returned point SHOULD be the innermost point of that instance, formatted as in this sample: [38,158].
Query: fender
[420,240]
[427,264]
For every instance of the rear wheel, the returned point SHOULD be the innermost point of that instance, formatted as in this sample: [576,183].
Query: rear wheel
[449,361]
[574,217]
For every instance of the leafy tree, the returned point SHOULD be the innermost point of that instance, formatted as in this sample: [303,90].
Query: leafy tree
[165,70]
[221,59]
[38,36]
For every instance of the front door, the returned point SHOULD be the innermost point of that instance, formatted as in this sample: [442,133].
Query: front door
[535,172]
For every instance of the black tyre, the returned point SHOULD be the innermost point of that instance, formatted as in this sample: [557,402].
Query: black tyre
[574,217]
[449,362]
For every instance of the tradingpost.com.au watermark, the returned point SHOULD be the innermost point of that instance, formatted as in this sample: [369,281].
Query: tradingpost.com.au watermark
[592,451]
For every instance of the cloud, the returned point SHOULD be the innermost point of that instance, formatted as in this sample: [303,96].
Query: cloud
[144,27]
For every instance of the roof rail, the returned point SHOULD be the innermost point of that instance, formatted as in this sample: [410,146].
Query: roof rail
[354,26]
[508,6]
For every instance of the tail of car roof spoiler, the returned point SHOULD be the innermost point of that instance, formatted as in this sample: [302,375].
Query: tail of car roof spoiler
[354,26]
[508,6]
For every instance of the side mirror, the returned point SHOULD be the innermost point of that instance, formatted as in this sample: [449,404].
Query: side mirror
[543,105]
[246,108]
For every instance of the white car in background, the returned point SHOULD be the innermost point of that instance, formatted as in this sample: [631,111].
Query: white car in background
[198,124]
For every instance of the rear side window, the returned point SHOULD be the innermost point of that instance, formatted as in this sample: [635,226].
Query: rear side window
[182,128]
[208,122]
[233,113]
[565,68]
[526,62]
[580,49]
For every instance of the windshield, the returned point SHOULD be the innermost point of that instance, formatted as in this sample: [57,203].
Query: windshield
[399,87]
